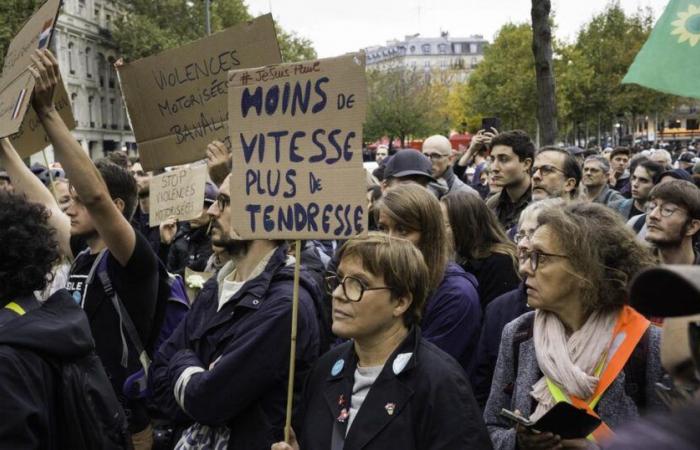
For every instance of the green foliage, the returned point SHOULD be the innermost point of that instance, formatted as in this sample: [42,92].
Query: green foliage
[404,104]
[13,14]
[151,26]
[503,84]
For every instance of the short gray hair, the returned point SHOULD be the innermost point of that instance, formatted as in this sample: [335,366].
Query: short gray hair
[601,160]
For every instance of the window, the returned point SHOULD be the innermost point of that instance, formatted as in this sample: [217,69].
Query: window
[413,49]
[692,124]
[91,115]
[442,48]
[474,61]
[425,48]
[88,68]
[104,111]
[473,48]
[110,72]
[458,48]
[71,61]
[114,106]
[101,69]
[76,108]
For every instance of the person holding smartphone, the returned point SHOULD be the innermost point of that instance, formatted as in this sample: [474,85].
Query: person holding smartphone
[582,344]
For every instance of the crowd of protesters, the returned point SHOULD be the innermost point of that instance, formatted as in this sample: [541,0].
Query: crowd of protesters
[503,278]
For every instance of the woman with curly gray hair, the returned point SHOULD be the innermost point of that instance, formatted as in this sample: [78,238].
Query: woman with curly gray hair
[582,345]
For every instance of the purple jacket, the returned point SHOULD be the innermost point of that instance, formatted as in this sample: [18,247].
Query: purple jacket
[452,317]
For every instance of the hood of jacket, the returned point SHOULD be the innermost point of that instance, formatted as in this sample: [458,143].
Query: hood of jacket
[57,328]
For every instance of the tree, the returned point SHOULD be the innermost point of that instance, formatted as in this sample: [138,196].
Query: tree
[403,103]
[606,46]
[14,13]
[503,84]
[544,71]
[151,26]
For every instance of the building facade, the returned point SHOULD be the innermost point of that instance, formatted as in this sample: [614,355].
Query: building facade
[454,57]
[84,48]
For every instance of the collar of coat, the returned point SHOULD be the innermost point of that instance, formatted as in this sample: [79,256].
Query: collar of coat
[386,398]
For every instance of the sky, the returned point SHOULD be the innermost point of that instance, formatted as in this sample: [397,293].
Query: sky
[341,26]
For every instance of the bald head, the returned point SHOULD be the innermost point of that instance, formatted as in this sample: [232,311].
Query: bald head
[439,149]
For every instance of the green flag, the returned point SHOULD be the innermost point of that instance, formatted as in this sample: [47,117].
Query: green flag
[670,59]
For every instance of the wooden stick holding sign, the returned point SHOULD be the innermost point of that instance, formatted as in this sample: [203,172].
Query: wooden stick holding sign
[293,341]
[296,135]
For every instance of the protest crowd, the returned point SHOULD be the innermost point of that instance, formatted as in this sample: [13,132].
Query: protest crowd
[503,296]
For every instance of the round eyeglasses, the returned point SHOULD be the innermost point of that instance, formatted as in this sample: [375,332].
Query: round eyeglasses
[353,288]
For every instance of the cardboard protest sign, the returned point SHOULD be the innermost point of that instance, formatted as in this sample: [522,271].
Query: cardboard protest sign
[31,137]
[178,193]
[177,100]
[17,83]
[296,132]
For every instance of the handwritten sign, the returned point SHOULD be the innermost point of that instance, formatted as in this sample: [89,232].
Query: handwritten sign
[296,131]
[177,100]
[31,137]
[17,83]
[178,193]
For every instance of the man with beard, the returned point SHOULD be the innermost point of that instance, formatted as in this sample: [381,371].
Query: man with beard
[555,173]
[103,199]
[513,153]
[222,375]
[673,221]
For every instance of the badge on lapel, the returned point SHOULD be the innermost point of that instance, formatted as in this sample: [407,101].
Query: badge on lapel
[337,367]
[390,408]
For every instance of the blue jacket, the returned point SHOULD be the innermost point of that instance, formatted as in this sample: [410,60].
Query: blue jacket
[424,404]
[452,317]
[248,340]
[498,314]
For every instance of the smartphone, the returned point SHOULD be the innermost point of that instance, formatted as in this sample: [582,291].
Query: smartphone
[490,122]
[516,418]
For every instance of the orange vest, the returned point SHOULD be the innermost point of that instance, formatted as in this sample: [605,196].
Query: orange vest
[629,329]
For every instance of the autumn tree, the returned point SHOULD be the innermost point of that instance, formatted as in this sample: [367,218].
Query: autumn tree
[151,26]
[503,84]
[404,103]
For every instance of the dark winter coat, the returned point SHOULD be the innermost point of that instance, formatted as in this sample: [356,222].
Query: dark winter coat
[426,405]
[249,339]
[29,405]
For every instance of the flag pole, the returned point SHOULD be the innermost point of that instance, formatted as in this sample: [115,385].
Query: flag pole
[293,340]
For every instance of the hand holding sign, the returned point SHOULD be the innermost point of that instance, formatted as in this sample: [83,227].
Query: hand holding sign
[46,76]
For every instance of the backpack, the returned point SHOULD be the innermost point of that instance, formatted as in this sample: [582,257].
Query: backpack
[635,368]
[172,305]
[90,415]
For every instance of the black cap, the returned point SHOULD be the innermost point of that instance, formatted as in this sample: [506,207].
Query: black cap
[408,162]
[667,291]
[687,157]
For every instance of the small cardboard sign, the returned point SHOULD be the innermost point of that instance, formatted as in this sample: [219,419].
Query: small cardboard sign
[31,137]
[177,100]
[178,193]
[17,83]
[296,132]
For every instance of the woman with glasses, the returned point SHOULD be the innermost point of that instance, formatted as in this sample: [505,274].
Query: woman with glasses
[452,314]
[387,387]
[506,307]
[582,345]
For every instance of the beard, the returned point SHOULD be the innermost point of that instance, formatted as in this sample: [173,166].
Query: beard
[669,241]
[236,248]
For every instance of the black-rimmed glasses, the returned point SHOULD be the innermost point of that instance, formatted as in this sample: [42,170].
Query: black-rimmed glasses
[353,288]
[222,201]
[536,257]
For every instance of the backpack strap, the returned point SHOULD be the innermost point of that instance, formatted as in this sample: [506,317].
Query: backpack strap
[125,322]
[639,224]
